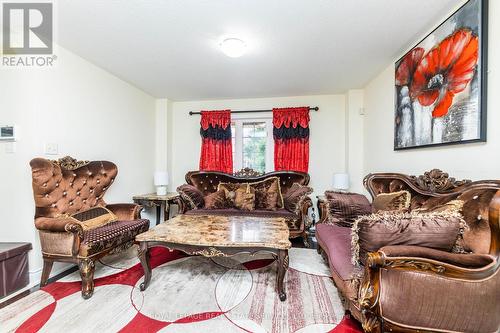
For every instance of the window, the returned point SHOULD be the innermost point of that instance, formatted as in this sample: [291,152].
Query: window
[253,145]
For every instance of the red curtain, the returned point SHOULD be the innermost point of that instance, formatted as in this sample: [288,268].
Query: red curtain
[291,139]
[216,147]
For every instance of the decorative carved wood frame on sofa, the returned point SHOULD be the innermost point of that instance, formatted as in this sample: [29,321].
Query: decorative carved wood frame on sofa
[207,182]
[451,295]
[68,186]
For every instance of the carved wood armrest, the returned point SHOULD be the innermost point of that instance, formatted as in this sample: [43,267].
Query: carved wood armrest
[379,259]
[368,293]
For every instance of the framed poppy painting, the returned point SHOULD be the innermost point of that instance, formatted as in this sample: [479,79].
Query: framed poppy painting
[441,83]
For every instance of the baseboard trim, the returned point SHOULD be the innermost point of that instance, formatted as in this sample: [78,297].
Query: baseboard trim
[34,284]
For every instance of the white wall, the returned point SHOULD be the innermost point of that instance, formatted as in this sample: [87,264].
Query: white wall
[91,115]
[327,138]
[355,139]
[474,161]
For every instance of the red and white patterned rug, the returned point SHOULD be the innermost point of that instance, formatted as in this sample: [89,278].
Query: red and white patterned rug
[187,294]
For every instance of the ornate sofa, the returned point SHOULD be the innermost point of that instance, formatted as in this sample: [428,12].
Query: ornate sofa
[65,187]
[417,289]
[207,182]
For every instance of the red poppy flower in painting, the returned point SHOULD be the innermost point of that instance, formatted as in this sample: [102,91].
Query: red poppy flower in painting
[407,66]
[445,71]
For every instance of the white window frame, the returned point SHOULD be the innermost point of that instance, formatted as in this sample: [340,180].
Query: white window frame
[238,120]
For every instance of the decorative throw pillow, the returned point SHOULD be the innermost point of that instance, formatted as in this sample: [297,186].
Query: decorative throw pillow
[216,200]
[394,201]
[437,230]
[192,196]
[230,191]
[344,208]
[294,197]
[245,198]
[268,194]
[94,217]
[453,206]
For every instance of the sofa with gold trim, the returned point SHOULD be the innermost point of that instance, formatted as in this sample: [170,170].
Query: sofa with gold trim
[65,187]
[207,182]
[405,288]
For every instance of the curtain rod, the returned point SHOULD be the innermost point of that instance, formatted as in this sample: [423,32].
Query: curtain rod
[316,108]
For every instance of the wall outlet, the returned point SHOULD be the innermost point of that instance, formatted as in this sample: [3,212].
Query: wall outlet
[51,149]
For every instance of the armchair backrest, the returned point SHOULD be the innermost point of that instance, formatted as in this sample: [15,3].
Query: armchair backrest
[207,181]
[482,234]
[69,186]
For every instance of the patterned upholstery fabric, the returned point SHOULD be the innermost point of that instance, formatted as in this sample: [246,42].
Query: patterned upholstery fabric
[111,235]
[344,208]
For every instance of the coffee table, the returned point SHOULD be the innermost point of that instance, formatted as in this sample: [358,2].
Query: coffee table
[219,236]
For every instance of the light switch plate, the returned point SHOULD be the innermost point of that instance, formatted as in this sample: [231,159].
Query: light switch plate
[51,149]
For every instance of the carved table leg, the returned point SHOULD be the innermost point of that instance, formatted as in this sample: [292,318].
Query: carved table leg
[158,214]
[144,258]
[167,210]
[282,268]
[87,268]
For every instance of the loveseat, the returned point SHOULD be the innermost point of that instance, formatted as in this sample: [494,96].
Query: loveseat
[296,216]
[415,288]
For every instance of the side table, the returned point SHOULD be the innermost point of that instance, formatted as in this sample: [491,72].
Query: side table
[158,201]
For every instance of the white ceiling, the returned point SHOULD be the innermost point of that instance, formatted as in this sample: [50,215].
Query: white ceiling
[170,48]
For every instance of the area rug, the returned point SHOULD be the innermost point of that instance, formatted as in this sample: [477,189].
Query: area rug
[187,294]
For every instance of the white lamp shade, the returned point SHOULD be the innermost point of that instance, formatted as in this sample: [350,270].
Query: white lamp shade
[341,181]
[161,178]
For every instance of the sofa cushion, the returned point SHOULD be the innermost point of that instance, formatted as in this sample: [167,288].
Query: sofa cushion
[192,196]
[268,194]
[94,217]
[343,207]
[244,198]
[394,201]
[294,197]
[216,200]
[290,218]
[437,230]
[230,191]
[111,235]
[336,241]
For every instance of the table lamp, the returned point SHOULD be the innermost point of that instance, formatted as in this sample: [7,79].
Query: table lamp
[161,182]
[341,181]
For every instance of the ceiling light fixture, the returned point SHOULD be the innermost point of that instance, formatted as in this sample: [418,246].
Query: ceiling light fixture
[233,47]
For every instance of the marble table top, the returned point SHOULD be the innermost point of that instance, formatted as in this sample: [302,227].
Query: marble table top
[154,196]
[223,231]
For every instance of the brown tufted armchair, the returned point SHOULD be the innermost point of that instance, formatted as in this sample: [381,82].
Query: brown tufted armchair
[65,187]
